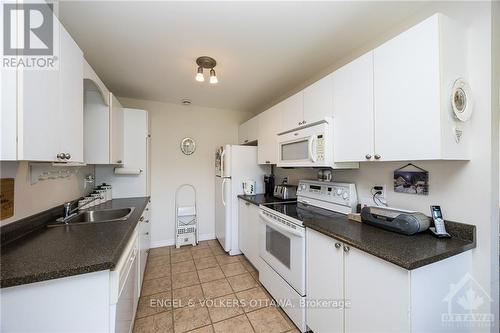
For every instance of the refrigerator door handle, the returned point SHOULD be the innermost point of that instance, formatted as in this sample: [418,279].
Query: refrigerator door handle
[222,163]
[222,192]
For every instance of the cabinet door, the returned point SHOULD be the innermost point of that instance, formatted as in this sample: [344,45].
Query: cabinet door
[353,111]
[292,111]
[267,150]
[71,97]
[318,100]
[242,226]
[406,86]
[116,122]
[8,114]
[252,228]
[243,133]
[379,294]
[248,131]
[324,278]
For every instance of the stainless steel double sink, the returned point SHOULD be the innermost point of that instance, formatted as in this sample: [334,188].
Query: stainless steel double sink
[95,216]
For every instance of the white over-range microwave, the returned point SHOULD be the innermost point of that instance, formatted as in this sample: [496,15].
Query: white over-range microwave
[310,146]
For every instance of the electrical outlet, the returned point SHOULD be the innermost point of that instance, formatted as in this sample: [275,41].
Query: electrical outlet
[381,188]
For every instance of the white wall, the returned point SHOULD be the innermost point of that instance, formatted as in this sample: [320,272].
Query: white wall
[170,123]
[31,199]
[466,191]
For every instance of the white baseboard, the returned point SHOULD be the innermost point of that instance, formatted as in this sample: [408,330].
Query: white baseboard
[169,242]
[206,237]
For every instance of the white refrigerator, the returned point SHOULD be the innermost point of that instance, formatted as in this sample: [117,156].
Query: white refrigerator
[233,165]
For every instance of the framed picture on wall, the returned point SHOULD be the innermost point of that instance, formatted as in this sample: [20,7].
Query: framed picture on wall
[411,179]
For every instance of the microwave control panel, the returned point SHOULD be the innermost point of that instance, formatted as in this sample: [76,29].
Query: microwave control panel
[320,148]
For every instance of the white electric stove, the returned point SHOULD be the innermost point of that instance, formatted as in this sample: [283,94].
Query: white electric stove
[283,244]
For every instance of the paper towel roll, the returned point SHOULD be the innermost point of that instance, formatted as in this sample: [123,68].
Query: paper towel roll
[127,171]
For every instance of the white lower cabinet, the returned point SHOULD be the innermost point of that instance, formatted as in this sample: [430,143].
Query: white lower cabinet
[144,230]
[378,296]
[102,301]
[249,231]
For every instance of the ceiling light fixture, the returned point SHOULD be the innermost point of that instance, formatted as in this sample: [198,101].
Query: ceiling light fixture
[206,63]
[199,75]
[213,77]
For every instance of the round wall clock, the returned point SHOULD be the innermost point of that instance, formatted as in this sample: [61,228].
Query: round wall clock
[461,100]
[188,146]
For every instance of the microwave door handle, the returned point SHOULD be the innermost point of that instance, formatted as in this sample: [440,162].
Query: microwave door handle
[280,227]
[312,145]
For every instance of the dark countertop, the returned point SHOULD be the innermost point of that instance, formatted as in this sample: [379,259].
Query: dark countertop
[262,199]
[55,252]
[408,252]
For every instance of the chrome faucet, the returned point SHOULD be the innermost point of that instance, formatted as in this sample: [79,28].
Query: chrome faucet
[68,213]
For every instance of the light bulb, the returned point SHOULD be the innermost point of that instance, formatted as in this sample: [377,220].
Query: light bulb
[199,76]
[213,77]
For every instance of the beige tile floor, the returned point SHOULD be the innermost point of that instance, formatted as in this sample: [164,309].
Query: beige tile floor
[202,289]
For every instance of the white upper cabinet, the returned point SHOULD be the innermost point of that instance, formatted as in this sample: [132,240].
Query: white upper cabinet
[353,137]
[95,82]
[393,104]
[308,106]
[8,117]
[71,81]
[48,108]
[318,100]
[247,131]
[292,112]
[413,76]
[267,150]
[104,122]
[116,121]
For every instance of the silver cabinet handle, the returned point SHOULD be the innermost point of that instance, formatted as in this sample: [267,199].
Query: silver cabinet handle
[119,161]
[141,219]
[147,221]
[246,141]
[61,156]
[304,122]
[268,162]
[337,245]
[346,249]
[67,156]
[247,203]
[368,156]
[377,156]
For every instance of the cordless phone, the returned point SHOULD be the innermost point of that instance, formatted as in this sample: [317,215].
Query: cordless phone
[437,216]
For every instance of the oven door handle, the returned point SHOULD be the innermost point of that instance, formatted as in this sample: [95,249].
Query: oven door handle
[277,225]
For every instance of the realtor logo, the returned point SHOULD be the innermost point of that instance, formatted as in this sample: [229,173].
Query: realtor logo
[28,29]
[468,305]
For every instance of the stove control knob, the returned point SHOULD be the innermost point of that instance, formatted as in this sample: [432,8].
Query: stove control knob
[345,196]
[339,191]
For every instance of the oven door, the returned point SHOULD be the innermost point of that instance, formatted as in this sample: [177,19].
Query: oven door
[283,249]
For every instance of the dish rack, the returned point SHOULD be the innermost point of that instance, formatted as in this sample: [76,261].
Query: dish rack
[186,221]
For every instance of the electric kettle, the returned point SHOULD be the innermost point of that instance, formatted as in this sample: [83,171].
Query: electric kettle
[249,187]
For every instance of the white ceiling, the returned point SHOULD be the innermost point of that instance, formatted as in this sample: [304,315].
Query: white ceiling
[264,50]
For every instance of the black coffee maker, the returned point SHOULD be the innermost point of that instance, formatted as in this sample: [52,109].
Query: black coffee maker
[269,184]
